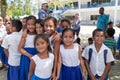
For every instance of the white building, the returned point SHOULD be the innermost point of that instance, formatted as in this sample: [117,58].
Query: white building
[89,10]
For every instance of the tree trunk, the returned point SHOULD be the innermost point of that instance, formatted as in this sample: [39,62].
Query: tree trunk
[3,6]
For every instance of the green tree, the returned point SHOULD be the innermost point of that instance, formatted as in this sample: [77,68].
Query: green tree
[27,7]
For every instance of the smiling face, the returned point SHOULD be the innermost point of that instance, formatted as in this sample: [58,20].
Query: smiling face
[41,45]
[68,38]
[39,28]
[49,27]
[31,25]
[99,37]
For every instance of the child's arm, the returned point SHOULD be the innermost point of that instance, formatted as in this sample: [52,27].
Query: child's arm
[81,63]
[21,45]
[6,52]
[56,53]
[92,77]
[106,71]
[59,66]
[31,69]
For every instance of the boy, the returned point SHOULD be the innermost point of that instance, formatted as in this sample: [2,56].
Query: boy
[109,41]
[97,57]
[3,33]
[10,45]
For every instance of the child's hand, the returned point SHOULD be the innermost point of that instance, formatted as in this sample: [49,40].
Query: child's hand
[83,75]
[56,37]
[53,77]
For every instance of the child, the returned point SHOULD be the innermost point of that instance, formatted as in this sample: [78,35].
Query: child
[90,41]
[42,63]
[50,25]
[39,26]
[98,57]
[3,33]
[65,23]
[26,47]
[70,58]
[109,41]
[10,44]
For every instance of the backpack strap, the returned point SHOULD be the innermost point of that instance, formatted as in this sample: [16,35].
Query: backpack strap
[105,55]
[90,55]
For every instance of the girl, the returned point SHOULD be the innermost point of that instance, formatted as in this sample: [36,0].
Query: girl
[65,23]
[39,26]
[42,63]
[26,47]
[50,24]
[70,58]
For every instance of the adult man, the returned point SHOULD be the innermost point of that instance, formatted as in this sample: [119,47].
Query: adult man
[43,11]
[76,24]
[102,19]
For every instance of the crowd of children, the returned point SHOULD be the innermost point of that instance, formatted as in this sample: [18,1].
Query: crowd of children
[37,51]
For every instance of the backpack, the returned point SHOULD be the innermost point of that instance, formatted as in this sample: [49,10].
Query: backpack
[90,55]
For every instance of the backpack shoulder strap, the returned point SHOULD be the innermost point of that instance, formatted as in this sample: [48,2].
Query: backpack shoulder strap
[90,55]
[105,55]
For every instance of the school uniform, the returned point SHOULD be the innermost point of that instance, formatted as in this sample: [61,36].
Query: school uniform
[25,61]
[11,43]
[70,63]
[97,61]
[43,68]
[3,33]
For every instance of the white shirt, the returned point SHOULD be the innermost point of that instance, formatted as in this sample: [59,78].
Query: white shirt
[43,68]
[70,57]
[29,41]
[97,64]
[3,32]
[11,43]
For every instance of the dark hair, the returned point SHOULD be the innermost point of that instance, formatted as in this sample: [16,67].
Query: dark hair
[97,30]
[110,23]
[110,32]
[44,37]
[68,29]
[102,8]
[90,39]
[25,18]
[51,18]
[17,23]
[31,17]
[40,21]
[66,20]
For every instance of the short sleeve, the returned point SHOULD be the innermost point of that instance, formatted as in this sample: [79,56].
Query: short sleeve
[85,53]
[110,57]
[5,43]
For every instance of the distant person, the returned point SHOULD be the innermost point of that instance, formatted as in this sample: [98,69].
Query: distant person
[76,24]
[102,19]
[90,40]
[50,12]
[98,57]
[42,14]
[109,41]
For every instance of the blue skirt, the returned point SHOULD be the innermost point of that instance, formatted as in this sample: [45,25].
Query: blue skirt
[71,73]
[3,57]
[118,43]
[13,73]
[34,77]
[25,63]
